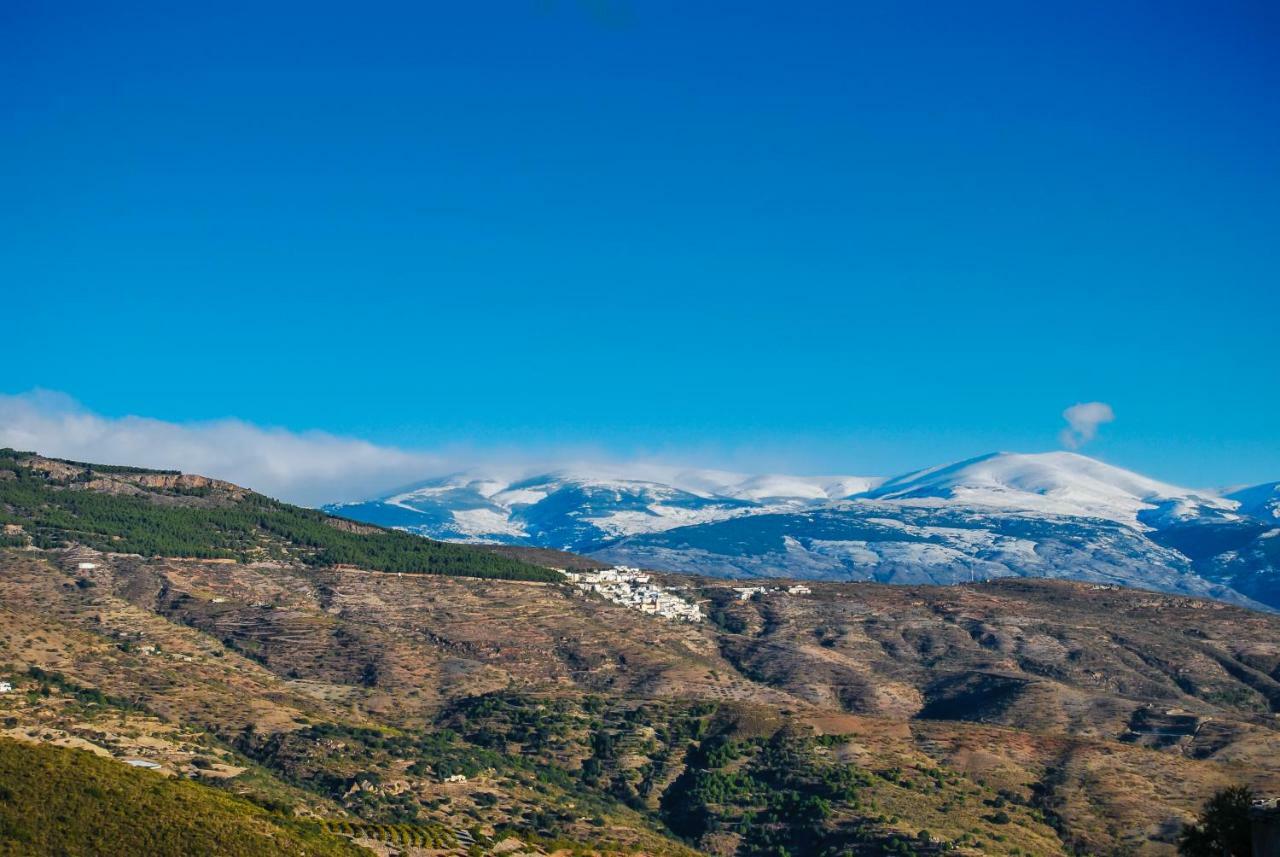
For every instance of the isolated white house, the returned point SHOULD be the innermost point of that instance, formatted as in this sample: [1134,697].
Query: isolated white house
[6,687]
[86,566]
[141,763]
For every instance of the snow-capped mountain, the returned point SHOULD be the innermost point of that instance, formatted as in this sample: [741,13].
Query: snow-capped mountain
[581,509]
[1055,514]
[1054,483]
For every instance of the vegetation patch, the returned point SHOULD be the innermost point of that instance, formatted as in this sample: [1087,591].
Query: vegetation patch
[70,506]
[55,801]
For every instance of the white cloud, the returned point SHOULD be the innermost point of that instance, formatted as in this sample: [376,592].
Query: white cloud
[1083,420]
[303,467]
[314,468]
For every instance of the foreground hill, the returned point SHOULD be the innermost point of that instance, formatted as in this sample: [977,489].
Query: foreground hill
[71,802]
[1000,515]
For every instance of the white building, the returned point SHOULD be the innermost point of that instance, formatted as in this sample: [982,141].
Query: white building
[86,566]
[141,763]
[799,589]
[6,687]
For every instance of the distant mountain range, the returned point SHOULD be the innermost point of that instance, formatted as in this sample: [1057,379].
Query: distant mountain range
[1056,514]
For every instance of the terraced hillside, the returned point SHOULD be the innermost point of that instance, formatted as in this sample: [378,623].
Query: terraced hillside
[470,714]
[1091,718]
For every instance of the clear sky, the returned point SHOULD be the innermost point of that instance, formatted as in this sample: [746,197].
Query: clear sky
[857,237]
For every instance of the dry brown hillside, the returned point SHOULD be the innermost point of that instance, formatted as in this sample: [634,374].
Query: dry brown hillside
[1110,714]
[1023,717]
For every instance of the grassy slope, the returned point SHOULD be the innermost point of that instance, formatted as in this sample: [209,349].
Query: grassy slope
[55,510]
[70,802]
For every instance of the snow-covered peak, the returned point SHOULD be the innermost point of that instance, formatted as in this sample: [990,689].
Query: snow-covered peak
[669,483]
[453,485]
[1060,483]
[776,486]
[585,504]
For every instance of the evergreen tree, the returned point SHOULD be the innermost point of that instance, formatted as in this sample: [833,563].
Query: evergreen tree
[1223,827]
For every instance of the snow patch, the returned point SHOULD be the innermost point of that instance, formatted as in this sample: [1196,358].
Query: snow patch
[478,523]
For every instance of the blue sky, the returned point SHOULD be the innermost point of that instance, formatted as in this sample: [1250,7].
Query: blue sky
[817,236]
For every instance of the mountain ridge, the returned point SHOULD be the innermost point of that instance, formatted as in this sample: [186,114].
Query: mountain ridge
[1056,514]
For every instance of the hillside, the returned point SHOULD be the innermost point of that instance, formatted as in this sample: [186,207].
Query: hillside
[51,503]
[470,713]
[1039,716]
[57,801]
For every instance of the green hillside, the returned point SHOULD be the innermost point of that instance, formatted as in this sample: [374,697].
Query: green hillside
[70,802]
[159,513]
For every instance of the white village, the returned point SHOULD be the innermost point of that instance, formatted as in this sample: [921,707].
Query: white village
[634,588]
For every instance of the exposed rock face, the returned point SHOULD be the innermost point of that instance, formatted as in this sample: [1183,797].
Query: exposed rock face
[181,482]
[108,480]
[351,526]
[55,468]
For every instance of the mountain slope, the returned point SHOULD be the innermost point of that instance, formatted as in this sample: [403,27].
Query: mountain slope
[1027,718]
[57,801]
[848,717]
[577,510]
[50,503]
[1260,501]
[891,543]
[1054,514]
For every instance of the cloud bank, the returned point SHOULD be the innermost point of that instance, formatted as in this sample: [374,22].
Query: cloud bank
[310,468]
[314,467]
[301,467]
[1083,420]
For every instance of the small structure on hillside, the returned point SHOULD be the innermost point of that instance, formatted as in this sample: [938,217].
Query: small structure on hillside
[86,566]
[142,763]
[746,593]
[6,687]
[456,778]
